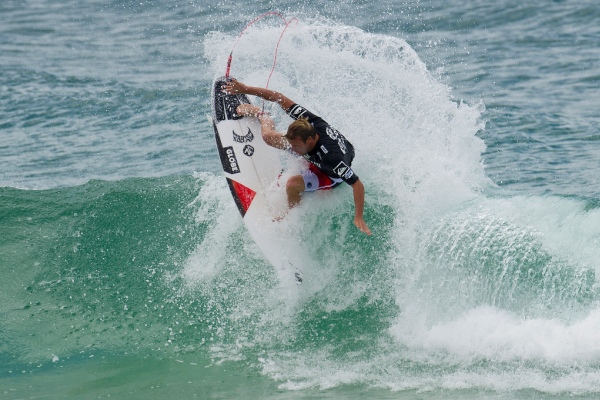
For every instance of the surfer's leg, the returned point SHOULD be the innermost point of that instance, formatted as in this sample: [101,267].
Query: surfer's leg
[294,189]
[311,179]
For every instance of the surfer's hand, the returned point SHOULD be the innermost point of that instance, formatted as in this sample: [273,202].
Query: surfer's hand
[362,225]
[233,86]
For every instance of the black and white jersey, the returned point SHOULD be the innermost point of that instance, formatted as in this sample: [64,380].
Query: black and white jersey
[333,153]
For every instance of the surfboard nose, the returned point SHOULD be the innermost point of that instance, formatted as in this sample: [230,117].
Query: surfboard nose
[225,105]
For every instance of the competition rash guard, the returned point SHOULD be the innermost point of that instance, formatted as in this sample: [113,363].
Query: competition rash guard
[333,153]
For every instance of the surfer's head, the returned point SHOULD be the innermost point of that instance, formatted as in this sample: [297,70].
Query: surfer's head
[302,129]
[302,136]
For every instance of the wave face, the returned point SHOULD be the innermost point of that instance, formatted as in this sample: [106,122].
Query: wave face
[462,285]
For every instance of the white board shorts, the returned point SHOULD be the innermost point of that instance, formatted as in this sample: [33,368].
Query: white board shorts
[315,179]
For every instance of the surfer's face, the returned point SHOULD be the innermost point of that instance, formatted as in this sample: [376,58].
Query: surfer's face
[300,147]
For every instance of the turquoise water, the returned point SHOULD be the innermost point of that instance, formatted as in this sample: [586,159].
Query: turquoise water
[125,269]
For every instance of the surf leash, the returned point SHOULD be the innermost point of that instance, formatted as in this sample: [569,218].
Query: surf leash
[262,16]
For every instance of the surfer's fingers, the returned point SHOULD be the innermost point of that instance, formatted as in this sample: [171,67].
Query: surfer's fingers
[229,89]
[362,226]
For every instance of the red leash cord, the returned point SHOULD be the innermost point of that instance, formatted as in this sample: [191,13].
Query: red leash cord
[287,24]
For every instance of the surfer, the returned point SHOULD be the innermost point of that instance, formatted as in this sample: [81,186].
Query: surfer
[329,153]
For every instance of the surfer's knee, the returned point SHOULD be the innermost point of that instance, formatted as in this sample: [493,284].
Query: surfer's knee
[294,188]
[295,183]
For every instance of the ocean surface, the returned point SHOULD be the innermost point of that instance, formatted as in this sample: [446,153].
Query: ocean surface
[125,270]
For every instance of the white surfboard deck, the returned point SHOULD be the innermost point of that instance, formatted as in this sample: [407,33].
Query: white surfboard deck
[253,171]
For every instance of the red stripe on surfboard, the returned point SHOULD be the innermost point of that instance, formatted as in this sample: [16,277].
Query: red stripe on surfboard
[243,195]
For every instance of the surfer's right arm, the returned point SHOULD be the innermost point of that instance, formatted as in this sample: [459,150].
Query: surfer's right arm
[233,86]
[269,134]
[267,126]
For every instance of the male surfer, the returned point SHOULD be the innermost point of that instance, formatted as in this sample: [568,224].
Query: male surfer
[330,154]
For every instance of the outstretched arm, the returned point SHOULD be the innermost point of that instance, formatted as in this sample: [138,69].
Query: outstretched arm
[233,86]
[358,190]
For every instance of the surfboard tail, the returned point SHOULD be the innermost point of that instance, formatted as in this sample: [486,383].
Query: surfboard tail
[242,195]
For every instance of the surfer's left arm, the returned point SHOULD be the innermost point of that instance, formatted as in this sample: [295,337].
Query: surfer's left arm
[234,86]
[358,190]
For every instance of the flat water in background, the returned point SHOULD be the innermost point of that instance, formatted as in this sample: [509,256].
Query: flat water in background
[125,271]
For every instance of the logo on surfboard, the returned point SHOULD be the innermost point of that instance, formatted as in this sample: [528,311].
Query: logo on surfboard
[243,139]
[231,166]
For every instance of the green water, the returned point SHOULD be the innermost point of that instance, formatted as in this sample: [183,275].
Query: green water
[106,294]
[86,265]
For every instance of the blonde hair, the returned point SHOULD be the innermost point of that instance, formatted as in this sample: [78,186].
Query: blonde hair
[300,128]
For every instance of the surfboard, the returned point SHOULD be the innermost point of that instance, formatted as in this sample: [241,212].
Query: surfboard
[253,171]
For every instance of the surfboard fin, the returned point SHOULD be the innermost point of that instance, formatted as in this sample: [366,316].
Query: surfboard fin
[298,277]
